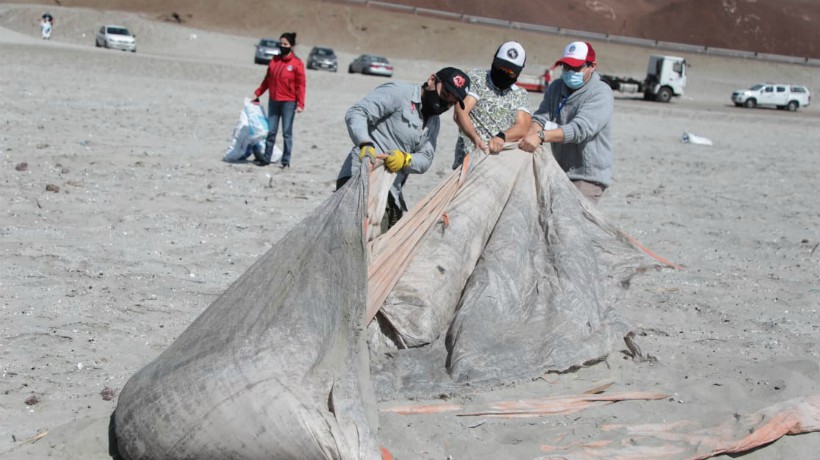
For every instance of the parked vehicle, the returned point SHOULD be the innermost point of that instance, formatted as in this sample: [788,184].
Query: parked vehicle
[369,64]
[536,84]
[116,37]
[266,49]
[322,58]
[665,78]
[782,96]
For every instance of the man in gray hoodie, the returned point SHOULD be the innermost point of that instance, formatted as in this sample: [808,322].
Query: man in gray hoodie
[575,119]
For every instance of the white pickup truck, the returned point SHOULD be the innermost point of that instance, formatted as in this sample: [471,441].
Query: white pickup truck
[789,97]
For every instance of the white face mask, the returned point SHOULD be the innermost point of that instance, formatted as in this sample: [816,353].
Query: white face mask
[573,79]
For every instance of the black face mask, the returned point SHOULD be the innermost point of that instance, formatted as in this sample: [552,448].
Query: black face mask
[284,50]
[502,80]
[432,104]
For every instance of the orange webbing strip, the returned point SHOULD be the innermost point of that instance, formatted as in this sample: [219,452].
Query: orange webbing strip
[651,254]
[392,252]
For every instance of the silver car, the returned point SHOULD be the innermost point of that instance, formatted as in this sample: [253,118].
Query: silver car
[116,37]
[266,49]
[369,64]
[322,58]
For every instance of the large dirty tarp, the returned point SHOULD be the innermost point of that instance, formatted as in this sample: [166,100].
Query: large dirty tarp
[518,277]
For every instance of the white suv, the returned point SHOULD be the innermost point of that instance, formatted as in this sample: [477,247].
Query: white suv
[116,37]
[778,95]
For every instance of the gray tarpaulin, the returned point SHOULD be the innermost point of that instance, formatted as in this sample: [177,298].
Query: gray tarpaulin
[521,278]
[522,281]
[277,366]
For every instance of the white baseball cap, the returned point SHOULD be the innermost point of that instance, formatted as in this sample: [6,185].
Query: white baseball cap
[512,52]
[577,54]
[513,55]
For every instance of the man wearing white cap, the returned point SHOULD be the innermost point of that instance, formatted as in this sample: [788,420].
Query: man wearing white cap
[495,109]
[575,118]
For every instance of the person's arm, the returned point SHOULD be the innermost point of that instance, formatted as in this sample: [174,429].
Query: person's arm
[541,118]
[514,133]
[300,85]
[465,124]
[591,117]
[423,157]
[369,111]
[262,86]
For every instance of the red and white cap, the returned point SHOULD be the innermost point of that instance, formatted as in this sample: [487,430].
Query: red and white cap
[577,54]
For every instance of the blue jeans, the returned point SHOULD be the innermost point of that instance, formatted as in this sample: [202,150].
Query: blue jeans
[284,110]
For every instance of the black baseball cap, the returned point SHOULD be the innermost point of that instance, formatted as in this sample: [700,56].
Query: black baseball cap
[455,82]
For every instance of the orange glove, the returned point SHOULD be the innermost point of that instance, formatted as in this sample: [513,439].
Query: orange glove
[397,160]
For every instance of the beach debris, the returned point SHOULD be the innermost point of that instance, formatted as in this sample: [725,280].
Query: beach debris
[552,405]
[555,405]
[34,438]
[32,400]
[108,393]
[21,166]
[634,351]
[697,440]
[423,409]
[600,387]
[689,138]
[52,188]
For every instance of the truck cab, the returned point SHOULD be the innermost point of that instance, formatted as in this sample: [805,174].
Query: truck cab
[665,77]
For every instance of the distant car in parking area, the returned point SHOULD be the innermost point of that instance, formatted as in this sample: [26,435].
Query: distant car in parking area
[266,49]
[781,96]
[369,64]
[322,58]
[116,37]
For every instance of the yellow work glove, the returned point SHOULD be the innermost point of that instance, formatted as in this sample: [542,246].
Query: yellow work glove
[367,150]
[397,160]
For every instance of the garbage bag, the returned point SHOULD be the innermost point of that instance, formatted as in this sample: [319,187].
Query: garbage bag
[249,133]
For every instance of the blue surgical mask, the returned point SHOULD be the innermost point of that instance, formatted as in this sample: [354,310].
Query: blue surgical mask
[572,79]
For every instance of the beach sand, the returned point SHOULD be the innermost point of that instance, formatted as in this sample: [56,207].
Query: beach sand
[121,224]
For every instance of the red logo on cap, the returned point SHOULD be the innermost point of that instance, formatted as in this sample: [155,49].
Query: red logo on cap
[458,80]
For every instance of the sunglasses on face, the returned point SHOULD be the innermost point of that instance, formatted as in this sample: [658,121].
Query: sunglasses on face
[510,73]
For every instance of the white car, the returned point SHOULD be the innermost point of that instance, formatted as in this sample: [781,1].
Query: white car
[782,96]
[116,37]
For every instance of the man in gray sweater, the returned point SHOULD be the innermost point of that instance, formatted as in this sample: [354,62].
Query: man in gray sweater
[575,119]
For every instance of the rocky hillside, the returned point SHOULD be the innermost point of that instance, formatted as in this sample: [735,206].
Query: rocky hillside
[787,27]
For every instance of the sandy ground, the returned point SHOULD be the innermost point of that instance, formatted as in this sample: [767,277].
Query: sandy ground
[147,225]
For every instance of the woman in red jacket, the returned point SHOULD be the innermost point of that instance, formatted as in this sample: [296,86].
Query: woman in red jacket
[285,84]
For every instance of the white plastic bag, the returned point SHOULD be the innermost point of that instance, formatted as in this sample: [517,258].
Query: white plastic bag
[689,138]
[257,121]
[249,133]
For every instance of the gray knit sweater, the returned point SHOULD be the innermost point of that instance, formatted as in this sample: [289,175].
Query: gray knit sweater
[585,116]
